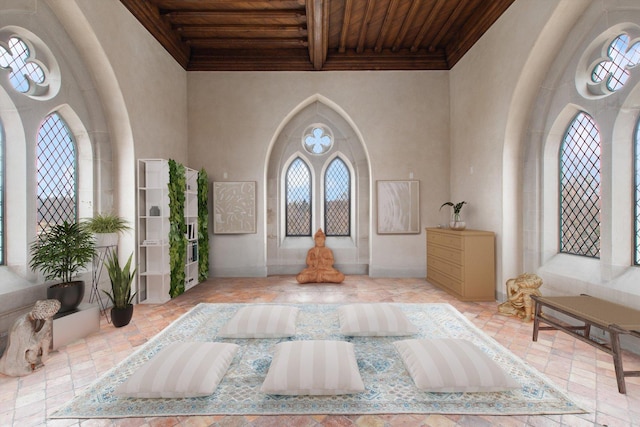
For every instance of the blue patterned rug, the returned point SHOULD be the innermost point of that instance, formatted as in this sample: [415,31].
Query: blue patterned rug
[389,388]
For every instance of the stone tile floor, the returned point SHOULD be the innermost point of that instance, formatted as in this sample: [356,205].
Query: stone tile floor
[586,374]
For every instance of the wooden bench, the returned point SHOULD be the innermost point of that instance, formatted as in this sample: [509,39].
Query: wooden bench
[613,318]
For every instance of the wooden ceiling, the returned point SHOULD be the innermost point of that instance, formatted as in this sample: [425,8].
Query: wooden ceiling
[321,35]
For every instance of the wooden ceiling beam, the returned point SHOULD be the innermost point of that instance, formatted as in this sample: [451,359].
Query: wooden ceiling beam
[317,27]
[325,30]
[427,25]
[232,31]
[231,44]
[365,26]
[386,25]
[247,61]
[406,24]
[369,60]
[204,5]
[293,17]
[346,23]
[151,19]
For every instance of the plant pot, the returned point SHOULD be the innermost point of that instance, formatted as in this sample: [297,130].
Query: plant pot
[106,239]
[69,294]
[121,316]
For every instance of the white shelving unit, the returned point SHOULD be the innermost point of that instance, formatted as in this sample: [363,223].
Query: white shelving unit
[154,278]
[191,219]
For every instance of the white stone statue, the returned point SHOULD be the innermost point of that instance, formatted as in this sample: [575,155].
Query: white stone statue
[29,340]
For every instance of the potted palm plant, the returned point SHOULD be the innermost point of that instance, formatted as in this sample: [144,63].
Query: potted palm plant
[106,228]
[60,253]
[120,295]
[456,222]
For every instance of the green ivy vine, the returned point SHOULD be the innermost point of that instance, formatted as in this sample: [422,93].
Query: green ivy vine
[203,226]
[177,227]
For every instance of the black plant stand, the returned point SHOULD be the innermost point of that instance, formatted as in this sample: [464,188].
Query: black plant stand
[98,263]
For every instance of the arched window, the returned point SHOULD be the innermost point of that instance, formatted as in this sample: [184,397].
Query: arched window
[636,216]
[56,174]
[337,199]
[298,199]
[580,188]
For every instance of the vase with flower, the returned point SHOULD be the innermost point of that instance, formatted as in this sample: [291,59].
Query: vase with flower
[456,222]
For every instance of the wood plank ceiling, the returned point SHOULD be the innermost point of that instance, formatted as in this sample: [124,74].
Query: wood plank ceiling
[320,35]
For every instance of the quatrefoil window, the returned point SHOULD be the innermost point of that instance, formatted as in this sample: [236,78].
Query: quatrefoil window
[615,70]
[26,75]
[317,139]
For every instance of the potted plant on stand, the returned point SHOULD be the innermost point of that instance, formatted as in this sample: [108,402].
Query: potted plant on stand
[60,253]
[106,228]
[120,296]
[456,222]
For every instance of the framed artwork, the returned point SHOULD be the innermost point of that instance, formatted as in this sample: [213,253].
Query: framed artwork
[398,207]
[234,207]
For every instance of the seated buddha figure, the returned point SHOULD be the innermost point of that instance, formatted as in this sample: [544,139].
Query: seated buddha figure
[320,264]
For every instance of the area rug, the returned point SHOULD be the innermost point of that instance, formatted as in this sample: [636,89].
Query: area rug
[389,388]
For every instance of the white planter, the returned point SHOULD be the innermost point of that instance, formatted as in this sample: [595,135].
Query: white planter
[106,239]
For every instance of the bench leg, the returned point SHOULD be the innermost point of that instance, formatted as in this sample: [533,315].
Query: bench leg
[587,330]
[536,321]
[617,361]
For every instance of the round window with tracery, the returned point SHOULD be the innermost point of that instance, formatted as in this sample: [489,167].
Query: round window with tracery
[317,139]
[28,64]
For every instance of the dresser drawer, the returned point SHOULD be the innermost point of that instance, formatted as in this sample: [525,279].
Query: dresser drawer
[452,255]
[438,278]
[452,270]
[443,239]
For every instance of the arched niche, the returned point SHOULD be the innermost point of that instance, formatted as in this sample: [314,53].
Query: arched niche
[286,255]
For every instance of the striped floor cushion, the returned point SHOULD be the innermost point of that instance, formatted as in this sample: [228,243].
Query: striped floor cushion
[261,321]
[189,369]
[377,319]
[452,365]
[313,368]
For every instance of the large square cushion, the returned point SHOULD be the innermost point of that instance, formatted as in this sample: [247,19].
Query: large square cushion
[314,367]
[376,319]
[452,365]
[189,369]
[261,321]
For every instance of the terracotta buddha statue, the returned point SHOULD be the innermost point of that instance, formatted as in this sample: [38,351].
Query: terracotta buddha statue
[320,264]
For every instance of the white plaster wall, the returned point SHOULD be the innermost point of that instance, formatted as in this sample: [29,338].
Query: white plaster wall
[153,85]
[490,98]
[403,118]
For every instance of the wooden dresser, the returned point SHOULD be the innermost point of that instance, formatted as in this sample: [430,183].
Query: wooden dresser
[462,263]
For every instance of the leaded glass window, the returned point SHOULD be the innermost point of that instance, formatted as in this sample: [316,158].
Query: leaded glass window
[616,69]
[56,174]
[637,193]
[298,199]
[18,59]
[580,188]
[337,199]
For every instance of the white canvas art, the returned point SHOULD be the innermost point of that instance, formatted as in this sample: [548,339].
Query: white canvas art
[234,207]
[398,207]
